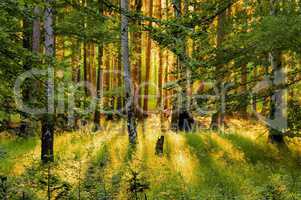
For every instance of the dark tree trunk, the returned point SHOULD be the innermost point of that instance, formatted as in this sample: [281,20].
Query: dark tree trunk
[47,139]
[160,146]
[217,119]
[148,62]
[136,41]
[99,79]
[181,118]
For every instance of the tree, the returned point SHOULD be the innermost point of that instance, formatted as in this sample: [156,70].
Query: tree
[99,77]
[148,60]
[48,118]
[217,119]
[137,74]
[36,37]
[181,118]
[131,121]
[277,101]
[160,72]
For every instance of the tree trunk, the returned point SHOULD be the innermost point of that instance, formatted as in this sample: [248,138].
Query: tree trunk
[166,92]
[86,66]
[217,119]
[75,60]
[48,119]
[131,121]
[107,85]
[27,37]
[136,41]
[244,101]
[159,145]
[160,71]
[277,101]
[254,98]
[148,61]
[119,80]
[99,78]
[36,32]
[181,119]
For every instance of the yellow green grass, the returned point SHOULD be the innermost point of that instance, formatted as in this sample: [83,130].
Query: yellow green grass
[236,164]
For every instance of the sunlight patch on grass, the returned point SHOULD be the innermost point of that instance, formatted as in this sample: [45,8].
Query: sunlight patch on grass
[78,151]
[227,148]
[182,159]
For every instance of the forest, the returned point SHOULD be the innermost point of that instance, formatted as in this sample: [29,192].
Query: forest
[150,99]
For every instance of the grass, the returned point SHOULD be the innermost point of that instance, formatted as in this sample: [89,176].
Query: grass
[14,149]
[238,164]
[243,168]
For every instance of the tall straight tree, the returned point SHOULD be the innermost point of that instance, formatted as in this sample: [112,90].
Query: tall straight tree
[181,118]
[131,121]
[175,104]
[277,101]
[99,77]
[160,72]
[148,60]
[36,31]
[217,119]
[48,118]
[136,41]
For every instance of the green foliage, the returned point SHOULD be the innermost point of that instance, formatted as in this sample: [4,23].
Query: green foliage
[9,152]
[294,116]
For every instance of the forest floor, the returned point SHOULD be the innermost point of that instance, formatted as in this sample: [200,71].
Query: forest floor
[235,164]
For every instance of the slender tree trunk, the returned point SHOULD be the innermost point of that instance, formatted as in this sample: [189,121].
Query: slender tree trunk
[254,98]
[27,38]
[136,41]
[160,105]
[75,60]
[99,78]
[119,80]
[92,66]
[217,120]
[107,84]
[181,118]
[160,71]
[48,118]
[36,35]
[244,101]
[175,114]
[86,66]
[148,61]
[166,73]
[277,101]
[131,121]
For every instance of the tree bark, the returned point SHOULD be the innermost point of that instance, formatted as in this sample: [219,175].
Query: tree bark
[131,121]
[136,41]
[217,119]
[181,119]
[36,33]
[99,78]
[277,101]
[160,71]
[148,61]
[48,118]
[244,101]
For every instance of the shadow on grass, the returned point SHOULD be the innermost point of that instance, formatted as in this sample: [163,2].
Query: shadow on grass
[215,182]
[262,152]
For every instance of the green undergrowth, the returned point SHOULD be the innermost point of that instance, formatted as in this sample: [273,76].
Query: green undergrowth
[252,170]
[12,149]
